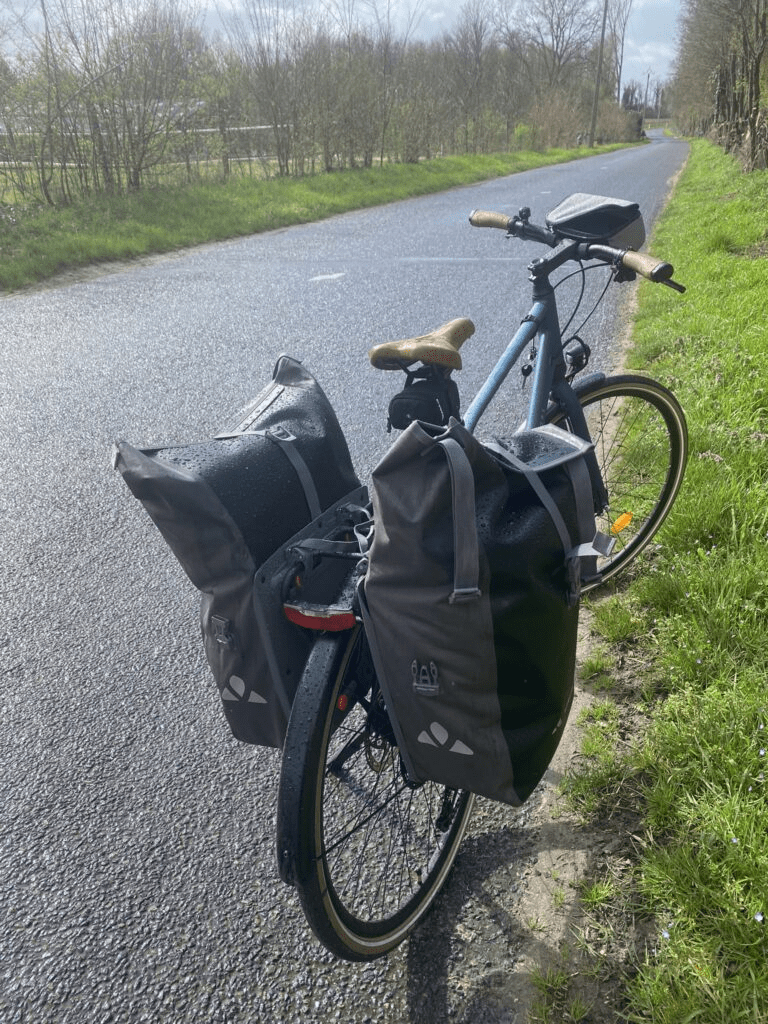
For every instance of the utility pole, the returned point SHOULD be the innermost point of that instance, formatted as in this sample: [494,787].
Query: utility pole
[597,80]
[647,87]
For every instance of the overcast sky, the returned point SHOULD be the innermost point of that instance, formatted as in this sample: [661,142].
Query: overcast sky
[650,45]
[651,41]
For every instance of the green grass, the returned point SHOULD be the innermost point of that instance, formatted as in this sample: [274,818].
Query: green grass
[598,662]
[38,242]
[554,1003]
[698,619]
[552,988]
[597,893]
[595,670]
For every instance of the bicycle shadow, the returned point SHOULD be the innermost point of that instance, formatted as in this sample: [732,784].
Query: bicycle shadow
[470,960]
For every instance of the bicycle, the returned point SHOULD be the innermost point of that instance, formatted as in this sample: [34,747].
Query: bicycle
[367,850]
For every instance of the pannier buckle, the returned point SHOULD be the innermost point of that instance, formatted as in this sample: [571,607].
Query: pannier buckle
[222,631]
[573,581]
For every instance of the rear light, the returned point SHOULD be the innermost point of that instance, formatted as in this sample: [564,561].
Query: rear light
[320,617]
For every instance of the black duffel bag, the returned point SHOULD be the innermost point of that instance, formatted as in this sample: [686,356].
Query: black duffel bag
[229,509]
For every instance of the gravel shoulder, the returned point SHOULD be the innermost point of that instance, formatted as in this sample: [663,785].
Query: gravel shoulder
[582,959]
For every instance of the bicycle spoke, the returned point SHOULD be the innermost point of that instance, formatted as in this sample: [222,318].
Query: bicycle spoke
[640,439]
[374,858]
[397,838]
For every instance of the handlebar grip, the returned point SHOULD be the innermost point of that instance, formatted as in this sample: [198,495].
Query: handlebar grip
[486,219]
[649,266]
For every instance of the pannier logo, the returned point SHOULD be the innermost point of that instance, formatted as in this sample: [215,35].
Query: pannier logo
[236,691]
[438,736]
[425,679]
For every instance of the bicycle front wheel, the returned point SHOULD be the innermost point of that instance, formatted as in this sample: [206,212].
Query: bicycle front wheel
[367,849]
[641,443]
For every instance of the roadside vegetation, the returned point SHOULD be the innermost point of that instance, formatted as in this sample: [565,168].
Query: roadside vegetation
[681,771]
[106,97]
[38,241]
[130,129]
[719,81]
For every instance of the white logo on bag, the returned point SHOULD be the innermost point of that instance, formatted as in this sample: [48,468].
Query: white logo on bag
[236,691]
[440,733]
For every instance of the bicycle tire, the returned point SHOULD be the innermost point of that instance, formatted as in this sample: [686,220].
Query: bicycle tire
[367,850]
[641,441]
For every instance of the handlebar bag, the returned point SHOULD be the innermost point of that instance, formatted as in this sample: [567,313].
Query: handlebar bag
[470,601]
[225,506]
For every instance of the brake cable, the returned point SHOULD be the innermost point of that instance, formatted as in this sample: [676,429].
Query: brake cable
[583,271]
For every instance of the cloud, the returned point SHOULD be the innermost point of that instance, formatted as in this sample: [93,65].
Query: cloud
[651,43]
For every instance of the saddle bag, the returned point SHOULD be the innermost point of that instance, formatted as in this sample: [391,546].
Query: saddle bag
[236,510]
[470,601]
[429,396]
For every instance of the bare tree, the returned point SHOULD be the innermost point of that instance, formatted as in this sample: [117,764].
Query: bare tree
[115,88]
[264,36]
[468,53]
[111,94]
[719,71]
[558,36]
[618,19]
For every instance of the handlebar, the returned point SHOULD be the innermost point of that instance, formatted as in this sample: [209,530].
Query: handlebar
[643,263]
[487,219]
[656,270]
[521,227]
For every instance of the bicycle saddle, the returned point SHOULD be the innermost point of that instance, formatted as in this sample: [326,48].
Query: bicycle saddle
[438,348]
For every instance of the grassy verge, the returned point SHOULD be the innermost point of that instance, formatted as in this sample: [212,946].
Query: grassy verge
[698,616]
[38,243]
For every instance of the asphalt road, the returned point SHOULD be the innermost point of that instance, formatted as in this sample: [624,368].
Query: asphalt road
[137,868]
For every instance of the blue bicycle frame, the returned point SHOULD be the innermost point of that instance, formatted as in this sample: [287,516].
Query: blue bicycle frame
[549,376]
[543,323]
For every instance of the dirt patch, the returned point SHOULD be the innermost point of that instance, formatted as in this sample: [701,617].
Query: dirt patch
[577,957]
[758,251]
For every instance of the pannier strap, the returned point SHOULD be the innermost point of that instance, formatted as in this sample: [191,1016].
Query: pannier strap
[285,440]
[466,556]
[582,488]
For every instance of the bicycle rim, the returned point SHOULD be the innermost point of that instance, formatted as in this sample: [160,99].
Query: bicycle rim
[377,850]
[640,437]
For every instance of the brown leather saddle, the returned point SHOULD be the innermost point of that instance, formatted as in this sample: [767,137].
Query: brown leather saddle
[438,348]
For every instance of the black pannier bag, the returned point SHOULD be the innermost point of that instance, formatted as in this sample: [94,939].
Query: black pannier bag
[470,600]
[235,510]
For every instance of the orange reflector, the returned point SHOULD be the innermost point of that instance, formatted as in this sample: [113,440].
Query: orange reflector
[343,702]
[622,523]
[332,619]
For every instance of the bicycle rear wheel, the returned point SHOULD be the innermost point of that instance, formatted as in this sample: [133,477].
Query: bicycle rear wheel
[641,442]
[367,850]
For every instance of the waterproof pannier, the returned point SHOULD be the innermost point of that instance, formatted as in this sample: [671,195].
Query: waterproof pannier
[239,511]
[470,600]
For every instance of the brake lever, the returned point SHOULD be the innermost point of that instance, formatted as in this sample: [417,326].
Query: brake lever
[622,275]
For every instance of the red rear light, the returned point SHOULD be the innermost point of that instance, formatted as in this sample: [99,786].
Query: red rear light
[322,618]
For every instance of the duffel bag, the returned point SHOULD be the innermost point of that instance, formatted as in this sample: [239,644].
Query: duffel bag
[470,600]
[231,509]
